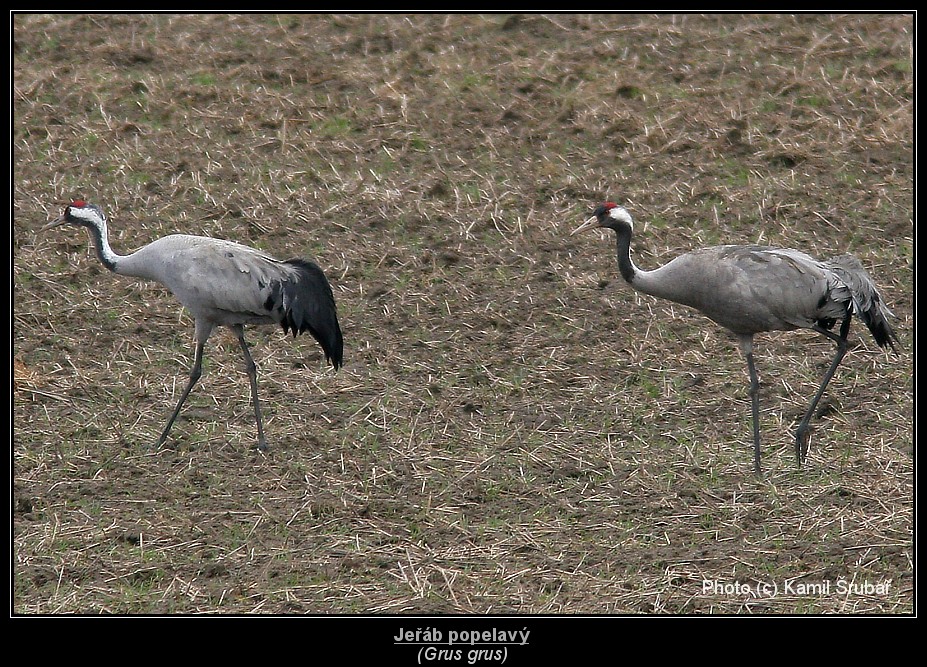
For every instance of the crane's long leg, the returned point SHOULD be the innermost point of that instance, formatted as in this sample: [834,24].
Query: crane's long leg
[746,347]
[755,400]
[801,435]
[252,376]
[195,374]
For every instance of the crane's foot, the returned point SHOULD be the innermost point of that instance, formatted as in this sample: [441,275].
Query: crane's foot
[160,443]
[262,445]
[801,444]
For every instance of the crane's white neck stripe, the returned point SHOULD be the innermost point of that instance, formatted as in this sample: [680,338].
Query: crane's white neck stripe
[621,214]
[87,214]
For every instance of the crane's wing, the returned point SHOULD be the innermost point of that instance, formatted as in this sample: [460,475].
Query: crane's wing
[797,288]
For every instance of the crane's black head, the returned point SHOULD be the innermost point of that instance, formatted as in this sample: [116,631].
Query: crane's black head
[79,212]
[607,214]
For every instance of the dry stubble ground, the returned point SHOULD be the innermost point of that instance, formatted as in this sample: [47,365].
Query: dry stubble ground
[514,431]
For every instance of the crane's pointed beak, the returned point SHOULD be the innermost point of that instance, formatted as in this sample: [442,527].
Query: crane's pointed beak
[60,220]
[589,224]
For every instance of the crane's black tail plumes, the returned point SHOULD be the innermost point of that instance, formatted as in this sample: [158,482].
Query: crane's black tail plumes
[867,302]
[309,305]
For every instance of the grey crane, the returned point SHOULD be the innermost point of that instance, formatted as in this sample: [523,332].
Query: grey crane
[750,289]
[223,283]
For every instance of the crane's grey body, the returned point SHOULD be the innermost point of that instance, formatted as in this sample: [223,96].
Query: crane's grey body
[223,283]
[749,289]
[226,283]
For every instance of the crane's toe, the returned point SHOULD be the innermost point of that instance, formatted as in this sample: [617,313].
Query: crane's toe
[801,443]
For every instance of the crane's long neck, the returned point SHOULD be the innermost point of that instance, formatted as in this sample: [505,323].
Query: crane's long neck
[655,282]
[628,271]
[106,254]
